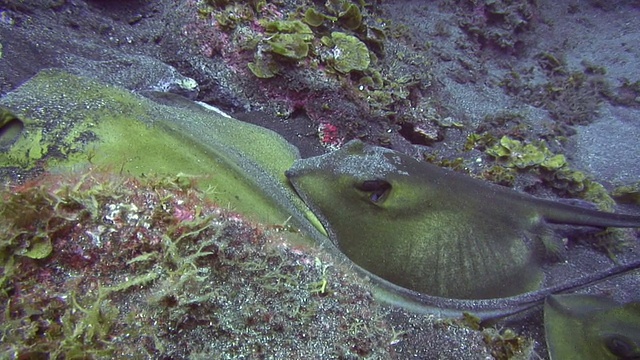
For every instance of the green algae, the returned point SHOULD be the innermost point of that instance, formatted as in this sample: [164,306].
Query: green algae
[288,38]
[294,39]
[349,53]
[291,46]
[523,156]
[285,40]
[350,17]
[479,141]
[552,168]
[314,18]
[286,27]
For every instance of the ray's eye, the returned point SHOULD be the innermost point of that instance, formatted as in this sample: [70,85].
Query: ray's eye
[377,189]
[622,347]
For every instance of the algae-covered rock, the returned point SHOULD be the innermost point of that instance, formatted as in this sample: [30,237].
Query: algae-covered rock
[349,53]
[71,121]
[93,264]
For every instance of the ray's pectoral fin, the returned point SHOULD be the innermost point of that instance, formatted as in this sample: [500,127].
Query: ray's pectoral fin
[467,260]
[588,327]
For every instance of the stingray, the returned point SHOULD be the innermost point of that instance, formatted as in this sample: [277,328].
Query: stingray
[433,231]
[589,327]
[244,163]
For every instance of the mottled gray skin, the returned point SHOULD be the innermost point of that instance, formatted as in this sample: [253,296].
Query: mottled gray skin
[431,230]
